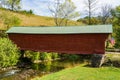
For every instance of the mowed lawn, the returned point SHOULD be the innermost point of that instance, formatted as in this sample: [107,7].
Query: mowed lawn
[84,73]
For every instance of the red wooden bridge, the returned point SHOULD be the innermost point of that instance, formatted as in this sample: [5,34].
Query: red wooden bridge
[70,40]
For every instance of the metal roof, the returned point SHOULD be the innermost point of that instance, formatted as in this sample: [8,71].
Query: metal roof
[62,30]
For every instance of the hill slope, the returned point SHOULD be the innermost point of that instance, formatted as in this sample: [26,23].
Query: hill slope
[33,20]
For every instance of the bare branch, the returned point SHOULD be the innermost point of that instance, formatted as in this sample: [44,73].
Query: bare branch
[105,13]
[90,8]
[62,12]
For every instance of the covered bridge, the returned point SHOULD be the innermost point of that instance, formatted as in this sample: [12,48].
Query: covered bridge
[71,40]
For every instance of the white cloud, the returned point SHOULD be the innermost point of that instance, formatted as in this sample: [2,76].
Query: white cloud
[40,7]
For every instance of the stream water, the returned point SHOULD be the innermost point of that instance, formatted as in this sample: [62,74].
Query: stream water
[37,70]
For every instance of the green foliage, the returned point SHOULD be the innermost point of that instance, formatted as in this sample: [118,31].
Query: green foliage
[117,45]
[62,12]
[30,12]
[41,55]
[71,56]
[35,56]
[9,53]
[94,20]
[3,34]
[54,55]
[45,56]
[116,26]
[10,20]
[13,4]
[10,4]
[26,12]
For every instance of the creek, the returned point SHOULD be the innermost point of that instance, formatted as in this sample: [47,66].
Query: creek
[37,70]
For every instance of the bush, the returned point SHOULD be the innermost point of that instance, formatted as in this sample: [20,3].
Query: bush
[71,56]
[9,53]
[10,20]
[54,55]
[45,56]
[26,12]
[35,56]
[117,44]
[3,34]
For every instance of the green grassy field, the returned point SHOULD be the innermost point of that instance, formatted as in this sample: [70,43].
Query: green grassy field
[84,73]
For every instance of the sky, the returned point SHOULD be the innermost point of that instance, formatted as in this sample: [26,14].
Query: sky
[40,7]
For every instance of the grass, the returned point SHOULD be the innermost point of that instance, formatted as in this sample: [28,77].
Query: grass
[33,20]
[84,73]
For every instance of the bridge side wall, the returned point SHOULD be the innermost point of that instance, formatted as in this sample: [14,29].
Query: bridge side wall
[61,43]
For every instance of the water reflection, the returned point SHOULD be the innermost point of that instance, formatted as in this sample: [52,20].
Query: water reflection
[8,73]
[48,66]
[40,69]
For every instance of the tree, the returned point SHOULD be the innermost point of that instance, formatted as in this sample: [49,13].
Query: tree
[105,13]
[13,4]
[116,25]
[90,8]
[62,12]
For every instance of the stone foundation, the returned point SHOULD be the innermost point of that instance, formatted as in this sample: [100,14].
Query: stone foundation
[97,60]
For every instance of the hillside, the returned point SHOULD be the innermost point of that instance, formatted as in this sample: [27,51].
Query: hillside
[33,20]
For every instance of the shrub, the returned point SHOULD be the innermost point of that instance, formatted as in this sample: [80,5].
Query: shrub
[9,53]
[29,12]
[54,55]
[71,56]
[45,56]
[41,55]
[3,34]
[10,19]
[35,56]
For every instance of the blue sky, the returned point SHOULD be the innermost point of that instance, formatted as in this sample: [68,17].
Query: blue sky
[40,7]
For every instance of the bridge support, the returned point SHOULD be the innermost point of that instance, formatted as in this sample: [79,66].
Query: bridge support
[97,60]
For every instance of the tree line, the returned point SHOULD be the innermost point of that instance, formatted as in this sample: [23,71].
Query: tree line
[64,11]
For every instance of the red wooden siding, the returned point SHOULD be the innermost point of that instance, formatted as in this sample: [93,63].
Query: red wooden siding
[62,43]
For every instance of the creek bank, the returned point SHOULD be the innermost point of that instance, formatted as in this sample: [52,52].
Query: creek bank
[43,68]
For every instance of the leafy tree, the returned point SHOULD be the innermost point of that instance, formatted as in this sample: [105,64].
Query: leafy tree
[116,25]
[9,53]
[30,11]
[13,4]
[62,12]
